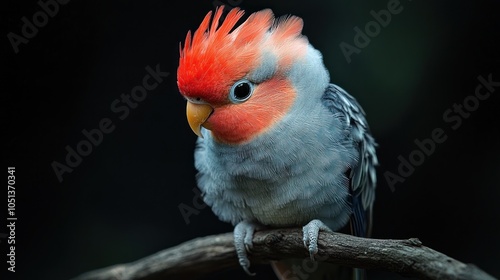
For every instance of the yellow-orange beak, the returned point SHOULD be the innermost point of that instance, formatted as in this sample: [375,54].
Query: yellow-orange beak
[197,114]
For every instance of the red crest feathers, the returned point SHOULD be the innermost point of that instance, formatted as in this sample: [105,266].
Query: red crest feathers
[218,54]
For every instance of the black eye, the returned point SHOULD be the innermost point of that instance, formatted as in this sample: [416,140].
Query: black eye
[241,91]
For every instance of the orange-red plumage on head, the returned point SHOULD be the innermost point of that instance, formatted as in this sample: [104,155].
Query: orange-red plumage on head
[217,55]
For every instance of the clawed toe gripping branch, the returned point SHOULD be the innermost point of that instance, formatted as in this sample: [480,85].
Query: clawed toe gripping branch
[205,255]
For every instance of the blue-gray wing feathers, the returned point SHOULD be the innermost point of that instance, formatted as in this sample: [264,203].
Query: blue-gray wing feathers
[362,176]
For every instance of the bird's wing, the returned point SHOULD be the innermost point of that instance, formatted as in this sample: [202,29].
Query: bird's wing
[362,176]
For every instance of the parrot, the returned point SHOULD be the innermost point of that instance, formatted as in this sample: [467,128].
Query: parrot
[278,144]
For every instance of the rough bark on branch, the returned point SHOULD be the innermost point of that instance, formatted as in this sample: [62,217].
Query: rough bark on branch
[204,255]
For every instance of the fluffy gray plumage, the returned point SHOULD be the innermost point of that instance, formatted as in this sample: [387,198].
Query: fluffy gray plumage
[296,171]
[318,162]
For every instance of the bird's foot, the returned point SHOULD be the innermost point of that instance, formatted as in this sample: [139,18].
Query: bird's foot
[243,235]
[310,236]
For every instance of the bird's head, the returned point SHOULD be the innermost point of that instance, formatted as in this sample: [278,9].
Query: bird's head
[239,80]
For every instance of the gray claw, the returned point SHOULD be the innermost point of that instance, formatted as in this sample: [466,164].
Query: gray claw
[243,235]
[310,236]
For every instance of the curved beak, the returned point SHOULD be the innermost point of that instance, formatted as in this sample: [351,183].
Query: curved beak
[197,114]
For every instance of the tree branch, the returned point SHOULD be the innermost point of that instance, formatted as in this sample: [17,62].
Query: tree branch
[205,255]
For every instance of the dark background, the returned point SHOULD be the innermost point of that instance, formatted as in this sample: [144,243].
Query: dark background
[121,202]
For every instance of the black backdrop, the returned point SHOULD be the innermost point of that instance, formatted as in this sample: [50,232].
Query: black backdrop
[121,201]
